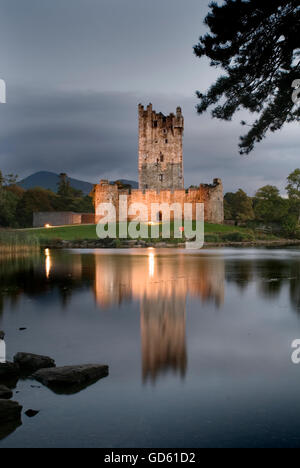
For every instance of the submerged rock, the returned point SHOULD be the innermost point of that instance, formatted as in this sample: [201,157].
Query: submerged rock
[5,393]
[10,411]
[33,362]
[2,335]
[31,413]
[71,379]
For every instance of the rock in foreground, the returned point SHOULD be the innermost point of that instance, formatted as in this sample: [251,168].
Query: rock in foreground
[33,362]
[71,379]
[9,370]
[7,428]
[9,374]
[5,393]
[10,411]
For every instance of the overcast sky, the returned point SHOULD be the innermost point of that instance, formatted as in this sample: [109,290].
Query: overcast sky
[75,72]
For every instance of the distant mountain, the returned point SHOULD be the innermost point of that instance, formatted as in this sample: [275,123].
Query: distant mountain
[50,180]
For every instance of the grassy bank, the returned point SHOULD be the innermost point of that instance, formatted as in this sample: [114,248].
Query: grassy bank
[12,242]
[213,233]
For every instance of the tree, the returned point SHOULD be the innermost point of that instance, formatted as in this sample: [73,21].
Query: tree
[34,200]
[16,189]
[8,200]
[8,205]
[293,189]
[290,227]
[7,180]
[238,206]
[257,43]
[64,188]
[83,205]
[269,206]
[228,215]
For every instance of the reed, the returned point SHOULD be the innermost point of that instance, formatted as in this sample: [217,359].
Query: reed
[12,242]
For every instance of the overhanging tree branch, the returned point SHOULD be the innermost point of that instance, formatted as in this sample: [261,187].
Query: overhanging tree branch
[257,43]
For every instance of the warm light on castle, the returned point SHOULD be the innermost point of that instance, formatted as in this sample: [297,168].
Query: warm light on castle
[161,177]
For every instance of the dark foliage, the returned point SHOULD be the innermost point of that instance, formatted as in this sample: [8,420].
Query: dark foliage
[257,44]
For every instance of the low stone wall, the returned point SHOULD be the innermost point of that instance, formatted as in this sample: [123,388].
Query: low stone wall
[61,218]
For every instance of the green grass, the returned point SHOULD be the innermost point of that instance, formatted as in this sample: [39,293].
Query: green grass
[88,232]
[223,228]
[66,233]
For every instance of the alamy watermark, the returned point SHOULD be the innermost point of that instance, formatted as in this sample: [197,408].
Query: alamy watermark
[2,92]
[2,352]
[163,220]
[296,353]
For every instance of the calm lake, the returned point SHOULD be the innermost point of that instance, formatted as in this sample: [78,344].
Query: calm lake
[198,345]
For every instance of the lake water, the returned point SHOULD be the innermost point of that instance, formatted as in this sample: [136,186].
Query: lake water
[198,345]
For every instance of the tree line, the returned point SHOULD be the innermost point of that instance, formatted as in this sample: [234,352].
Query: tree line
[18,205]
[267,208]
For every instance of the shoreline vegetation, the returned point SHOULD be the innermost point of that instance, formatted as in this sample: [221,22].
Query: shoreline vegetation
[139,244]
[16,242]
[23,242]
[85,237]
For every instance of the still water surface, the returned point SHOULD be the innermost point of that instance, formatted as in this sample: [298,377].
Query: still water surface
[198,345]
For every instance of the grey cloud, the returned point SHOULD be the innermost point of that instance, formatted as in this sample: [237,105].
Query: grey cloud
[122,45]
[76,71]
[95,134]
[83,134]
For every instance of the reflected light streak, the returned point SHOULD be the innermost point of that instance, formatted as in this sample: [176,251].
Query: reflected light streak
[151,264]
[48,263]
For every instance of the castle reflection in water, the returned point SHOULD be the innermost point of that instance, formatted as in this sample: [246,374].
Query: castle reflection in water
[165,284]
[161,283]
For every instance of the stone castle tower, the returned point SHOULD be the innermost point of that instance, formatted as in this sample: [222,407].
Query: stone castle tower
[161,178]
[160,150]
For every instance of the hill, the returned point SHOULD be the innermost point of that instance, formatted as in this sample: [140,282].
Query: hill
[50,180]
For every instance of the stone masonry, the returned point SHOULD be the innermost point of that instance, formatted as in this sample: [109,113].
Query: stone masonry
[160,150]
[161,178]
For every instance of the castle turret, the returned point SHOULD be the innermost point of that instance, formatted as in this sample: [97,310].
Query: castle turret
[160,150]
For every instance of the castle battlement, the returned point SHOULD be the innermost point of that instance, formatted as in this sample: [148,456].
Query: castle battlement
[161,170]
[114,187]
[210,195]
[160,149]
[159,120]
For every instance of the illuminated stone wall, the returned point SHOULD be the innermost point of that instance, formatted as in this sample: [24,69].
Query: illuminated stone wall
[210,195]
